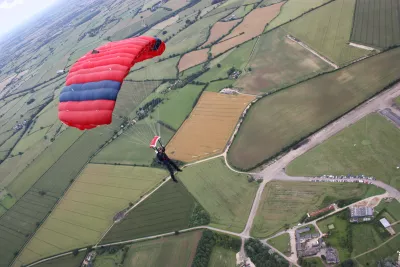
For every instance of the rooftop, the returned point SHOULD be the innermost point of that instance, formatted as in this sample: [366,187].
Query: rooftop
[385,222]
[361,211]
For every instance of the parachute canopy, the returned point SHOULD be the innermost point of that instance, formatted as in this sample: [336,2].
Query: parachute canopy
[93,82]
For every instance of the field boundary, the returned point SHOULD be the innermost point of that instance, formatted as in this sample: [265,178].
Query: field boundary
[362,46]
[58,200]
[312,51]
[371,250]
[289,147]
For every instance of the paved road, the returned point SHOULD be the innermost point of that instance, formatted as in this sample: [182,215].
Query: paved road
[274,170]
[393,192]
[291,231]
[380,101]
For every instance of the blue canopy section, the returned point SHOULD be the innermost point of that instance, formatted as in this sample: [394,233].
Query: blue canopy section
[106,90]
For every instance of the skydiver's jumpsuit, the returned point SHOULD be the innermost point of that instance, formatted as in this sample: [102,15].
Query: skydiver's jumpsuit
[164,159]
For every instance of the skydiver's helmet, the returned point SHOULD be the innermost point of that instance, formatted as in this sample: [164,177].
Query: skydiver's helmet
[160,149]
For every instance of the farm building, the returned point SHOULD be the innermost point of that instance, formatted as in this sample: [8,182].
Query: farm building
[331,256]
[387,226]
[362,213]
[317,212]
[303,230]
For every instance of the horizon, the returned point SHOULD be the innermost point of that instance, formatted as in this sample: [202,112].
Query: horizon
[15,13]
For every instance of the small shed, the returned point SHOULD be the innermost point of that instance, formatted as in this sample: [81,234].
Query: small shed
[385,222]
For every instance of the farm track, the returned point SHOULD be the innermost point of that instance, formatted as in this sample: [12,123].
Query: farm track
[274,171]
[312,51]
[376,247]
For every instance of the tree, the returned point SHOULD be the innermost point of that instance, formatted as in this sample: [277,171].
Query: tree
[323,257]
[348,263]
[286,226]
[219,65]
[230,71]
[164,32]
[176,233]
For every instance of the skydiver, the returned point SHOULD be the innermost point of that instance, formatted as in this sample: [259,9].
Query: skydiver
[164,159]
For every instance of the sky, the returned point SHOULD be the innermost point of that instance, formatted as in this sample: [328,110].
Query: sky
[14,12]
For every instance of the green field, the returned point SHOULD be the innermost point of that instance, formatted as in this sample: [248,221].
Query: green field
[376,23]
[184,74]
[66,167]
[193,36]
[307,107]
[281,243]
[371,147]
[292,9]
[87,209]
[222,257]
[132,147]
[226,195]
[29,176]
[178,105]
[166,210]
[237,57]
[278,62]
[108,259]
[287,202]
[339,233]
[168,251]
[393,208]
[66,261]
[241,11]
[365,236]
[166,69]
[47,117]
[313,262]
[327,31]
[30,140]
[387,250]
[219,85]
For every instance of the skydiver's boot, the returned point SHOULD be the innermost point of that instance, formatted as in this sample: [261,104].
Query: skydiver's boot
[175,166]
[174,179]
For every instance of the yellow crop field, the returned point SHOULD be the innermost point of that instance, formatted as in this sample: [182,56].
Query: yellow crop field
[88,208]
[209,126]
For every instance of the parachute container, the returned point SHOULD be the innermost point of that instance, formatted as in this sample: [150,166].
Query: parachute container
[93,82]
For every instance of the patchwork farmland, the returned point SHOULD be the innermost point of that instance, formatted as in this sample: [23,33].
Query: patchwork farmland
[131,147]
[88,207]
[371,146]
[286,202]
[334,23]
[209,126]
[251,26]
[376,23]
[168,251]
[192,59]
[219,29]
[226,195]
[166,210]
[277,62]
[61,189]
[293,9]
[308,106]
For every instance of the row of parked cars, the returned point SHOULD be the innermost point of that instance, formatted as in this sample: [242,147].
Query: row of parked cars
[344,178]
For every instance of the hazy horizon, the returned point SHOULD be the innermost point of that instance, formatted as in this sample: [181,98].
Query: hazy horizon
[14,13]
